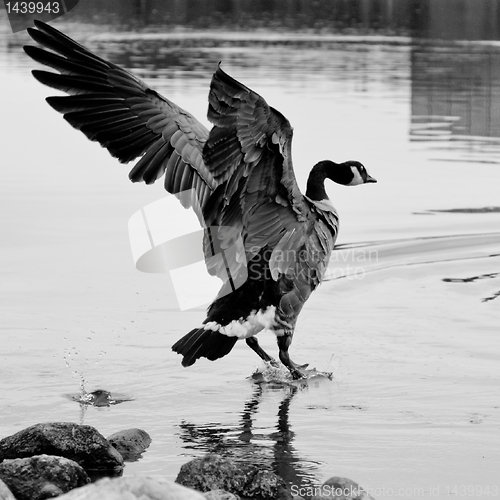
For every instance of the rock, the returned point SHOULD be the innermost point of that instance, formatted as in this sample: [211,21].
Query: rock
[130,443]
[265,484]
[213,472]
[341,488]
[81,443]
[5,493]
[220,495]
[42,476]
[133,488]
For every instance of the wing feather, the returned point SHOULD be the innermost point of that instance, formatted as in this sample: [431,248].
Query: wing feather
[84,102]
[152,165]
[248,152]
[115,108]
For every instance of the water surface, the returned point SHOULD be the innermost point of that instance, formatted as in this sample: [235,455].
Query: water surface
[408,322]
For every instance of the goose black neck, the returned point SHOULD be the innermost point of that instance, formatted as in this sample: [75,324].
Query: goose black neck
[316,180]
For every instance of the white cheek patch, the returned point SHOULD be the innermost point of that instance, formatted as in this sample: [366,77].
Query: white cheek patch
[253,324]
[357,177]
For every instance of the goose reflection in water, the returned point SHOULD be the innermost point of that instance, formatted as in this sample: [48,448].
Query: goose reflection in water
[244,443]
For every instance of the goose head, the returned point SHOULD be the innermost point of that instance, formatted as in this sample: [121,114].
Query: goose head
[349,173]
[351,169]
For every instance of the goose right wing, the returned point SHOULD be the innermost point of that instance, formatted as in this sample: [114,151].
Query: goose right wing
[115,108]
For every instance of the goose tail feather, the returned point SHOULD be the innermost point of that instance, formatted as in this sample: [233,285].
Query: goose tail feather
[203,343]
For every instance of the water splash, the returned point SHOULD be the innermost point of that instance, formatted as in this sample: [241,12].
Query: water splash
[271,373]
[98,398]
[277,373]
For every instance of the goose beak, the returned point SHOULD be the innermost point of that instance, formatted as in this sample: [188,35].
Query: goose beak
[369,178]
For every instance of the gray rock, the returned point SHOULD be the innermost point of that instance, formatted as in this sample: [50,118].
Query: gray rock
[42,476]
[213,472]
[130,443]
[342,488]
[81,443]
[133,488]
[5,493]
[220,495]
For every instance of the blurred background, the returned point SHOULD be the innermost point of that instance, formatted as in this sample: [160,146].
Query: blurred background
[444,19]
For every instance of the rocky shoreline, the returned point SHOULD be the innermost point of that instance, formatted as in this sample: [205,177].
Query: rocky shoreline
[76,462]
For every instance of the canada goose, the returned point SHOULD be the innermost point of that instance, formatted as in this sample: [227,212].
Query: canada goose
[241,173]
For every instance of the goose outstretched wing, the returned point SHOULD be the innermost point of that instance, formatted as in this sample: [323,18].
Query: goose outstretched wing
[239,174]
[248,152]
[115,108]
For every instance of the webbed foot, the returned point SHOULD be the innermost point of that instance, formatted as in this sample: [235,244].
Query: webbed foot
[300,373]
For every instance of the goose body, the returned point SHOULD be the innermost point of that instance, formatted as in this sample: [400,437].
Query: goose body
[241,184]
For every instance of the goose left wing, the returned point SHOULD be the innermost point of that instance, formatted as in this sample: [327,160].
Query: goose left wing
[248,152]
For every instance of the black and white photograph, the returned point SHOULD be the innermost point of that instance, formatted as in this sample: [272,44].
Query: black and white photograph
[250,249]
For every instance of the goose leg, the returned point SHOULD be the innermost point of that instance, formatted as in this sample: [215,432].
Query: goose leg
[284,342]
[254,345]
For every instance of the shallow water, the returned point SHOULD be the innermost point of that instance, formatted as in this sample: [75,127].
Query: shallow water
[408,321]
